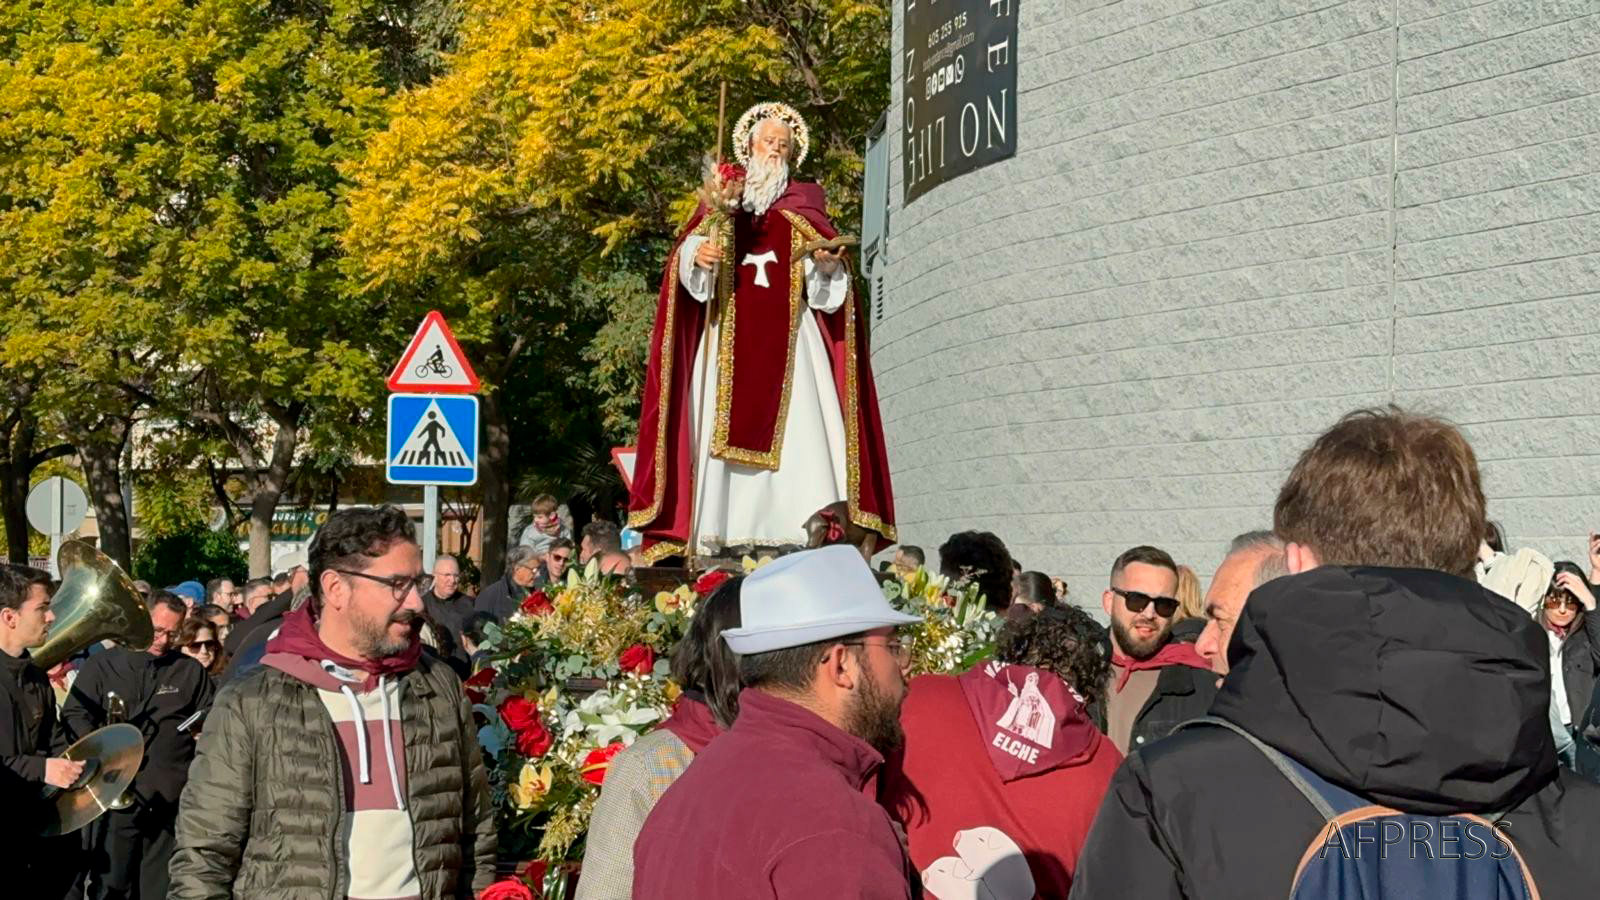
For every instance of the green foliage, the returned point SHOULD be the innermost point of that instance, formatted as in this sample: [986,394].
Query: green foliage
[190,553]
[619,352]
[170,203]
[38,544]
[172,503]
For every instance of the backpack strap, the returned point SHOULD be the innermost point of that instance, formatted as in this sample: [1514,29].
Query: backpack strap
[1329,799]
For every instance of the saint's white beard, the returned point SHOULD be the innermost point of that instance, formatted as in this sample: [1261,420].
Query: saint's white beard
[764,183]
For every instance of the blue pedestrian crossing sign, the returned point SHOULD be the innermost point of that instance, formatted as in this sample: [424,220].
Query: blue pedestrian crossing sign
[433,439]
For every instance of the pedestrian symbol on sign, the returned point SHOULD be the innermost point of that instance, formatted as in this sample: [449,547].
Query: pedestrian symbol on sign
[433,439]
[439,447]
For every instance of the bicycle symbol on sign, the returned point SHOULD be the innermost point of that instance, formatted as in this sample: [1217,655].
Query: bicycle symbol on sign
[435,365]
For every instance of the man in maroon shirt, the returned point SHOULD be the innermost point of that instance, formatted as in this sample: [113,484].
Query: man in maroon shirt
[776,806]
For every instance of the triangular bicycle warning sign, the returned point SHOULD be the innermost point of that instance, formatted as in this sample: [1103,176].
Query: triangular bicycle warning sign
[433,362]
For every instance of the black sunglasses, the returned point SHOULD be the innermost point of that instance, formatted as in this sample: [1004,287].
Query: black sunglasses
[202,645]
[1136,602]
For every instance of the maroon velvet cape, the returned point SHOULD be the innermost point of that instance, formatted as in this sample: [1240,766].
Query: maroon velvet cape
[754,371]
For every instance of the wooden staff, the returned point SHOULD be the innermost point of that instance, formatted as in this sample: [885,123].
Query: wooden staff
[704,352]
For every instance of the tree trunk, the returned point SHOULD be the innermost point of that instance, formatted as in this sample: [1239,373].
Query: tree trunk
[269,484]
[262,507]
[493,474]
[17,462]
[13,502]
[102,465]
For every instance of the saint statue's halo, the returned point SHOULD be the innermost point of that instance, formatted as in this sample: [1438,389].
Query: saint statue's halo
[781,111]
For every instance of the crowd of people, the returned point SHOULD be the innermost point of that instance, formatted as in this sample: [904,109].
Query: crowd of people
[1378,657]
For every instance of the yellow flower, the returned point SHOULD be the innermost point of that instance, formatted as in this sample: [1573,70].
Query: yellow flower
[667,602]
[566,600]
[673,692]
[533,783]
[750,565]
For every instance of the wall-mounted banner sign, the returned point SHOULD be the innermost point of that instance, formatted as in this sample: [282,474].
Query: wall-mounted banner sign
[959,79]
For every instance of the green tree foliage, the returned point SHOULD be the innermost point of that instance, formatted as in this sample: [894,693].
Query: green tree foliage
[197,554]
[170,202]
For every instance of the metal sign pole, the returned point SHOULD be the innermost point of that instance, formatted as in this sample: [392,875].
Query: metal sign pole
[58,511]
[430,525]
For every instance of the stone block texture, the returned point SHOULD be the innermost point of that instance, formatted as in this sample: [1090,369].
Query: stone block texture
[1228,223]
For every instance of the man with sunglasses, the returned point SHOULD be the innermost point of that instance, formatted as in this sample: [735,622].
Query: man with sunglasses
[556,560]
[1157,682]
[774,807]
[346,764]
[160,691]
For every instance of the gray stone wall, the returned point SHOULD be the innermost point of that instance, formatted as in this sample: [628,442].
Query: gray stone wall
[1226,224]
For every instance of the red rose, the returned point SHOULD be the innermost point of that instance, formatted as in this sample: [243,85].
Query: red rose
[728,173]
[519,713]
[536,604]
[534,742]
[638,658]
[710,581]
[597,762]
[507,889]
[478,685]
[533,873]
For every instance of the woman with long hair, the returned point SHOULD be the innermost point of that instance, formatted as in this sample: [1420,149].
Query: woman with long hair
[197,639]
[708,673]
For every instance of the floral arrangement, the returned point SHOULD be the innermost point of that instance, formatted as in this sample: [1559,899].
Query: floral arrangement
[578,672]
[957,631]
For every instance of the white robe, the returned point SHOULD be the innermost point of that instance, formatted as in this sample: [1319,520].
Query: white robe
[741,505]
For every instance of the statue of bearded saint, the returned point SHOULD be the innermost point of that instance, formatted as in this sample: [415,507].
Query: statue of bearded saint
[759,404]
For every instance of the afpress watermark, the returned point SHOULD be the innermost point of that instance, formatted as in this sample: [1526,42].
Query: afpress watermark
[1445,839]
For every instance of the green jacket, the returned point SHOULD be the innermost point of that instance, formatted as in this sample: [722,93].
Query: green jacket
[261,814]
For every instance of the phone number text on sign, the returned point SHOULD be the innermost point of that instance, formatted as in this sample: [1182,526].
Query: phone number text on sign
[959,89]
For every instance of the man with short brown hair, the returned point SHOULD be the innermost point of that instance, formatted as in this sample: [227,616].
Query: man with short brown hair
[1380,670]
[30,739]
[1156,681]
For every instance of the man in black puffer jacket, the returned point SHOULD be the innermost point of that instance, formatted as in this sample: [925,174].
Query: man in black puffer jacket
[1378,665]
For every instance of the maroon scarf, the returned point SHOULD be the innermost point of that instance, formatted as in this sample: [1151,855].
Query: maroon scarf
[298,636]
[692,722]
[1175,653]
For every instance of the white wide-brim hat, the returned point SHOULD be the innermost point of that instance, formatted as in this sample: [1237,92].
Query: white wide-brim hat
[807,597]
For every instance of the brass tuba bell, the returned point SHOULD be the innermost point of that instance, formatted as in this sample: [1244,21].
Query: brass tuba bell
[96,601]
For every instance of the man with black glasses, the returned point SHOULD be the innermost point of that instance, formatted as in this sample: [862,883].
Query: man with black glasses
[163,693]
[345,765]
[1156,682]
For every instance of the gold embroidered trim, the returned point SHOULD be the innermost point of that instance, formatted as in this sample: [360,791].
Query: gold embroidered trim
[800,232]
[664,399]
[661,550]
[852,428]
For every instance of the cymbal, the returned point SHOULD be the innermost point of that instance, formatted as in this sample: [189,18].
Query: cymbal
[111,757]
